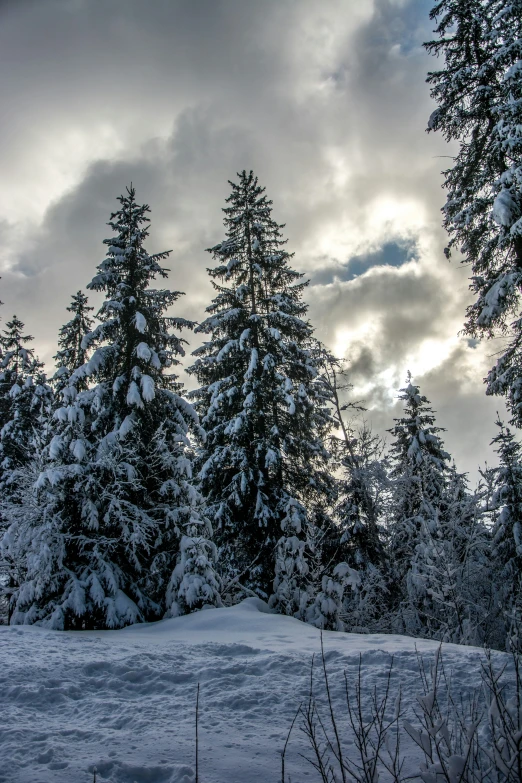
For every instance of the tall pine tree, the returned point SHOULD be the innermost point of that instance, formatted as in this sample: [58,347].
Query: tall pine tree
[507,533]
[113,532]
[360,513]
[25,400]
[419,471]
[362,488]
[454,570]
[71,351]
[262,403]
[479,97]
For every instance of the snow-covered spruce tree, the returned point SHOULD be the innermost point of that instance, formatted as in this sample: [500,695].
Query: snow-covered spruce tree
[262,404]
[25,402]
[507,533]
[418,472]
[71,352]
[25,405]
[326,609]
[479,97]
[362,490]
[115,534]
[360,513]
[454,570]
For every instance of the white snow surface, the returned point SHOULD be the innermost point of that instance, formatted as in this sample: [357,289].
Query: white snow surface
[124,701]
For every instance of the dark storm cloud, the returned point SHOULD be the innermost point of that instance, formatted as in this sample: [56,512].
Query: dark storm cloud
[325,101]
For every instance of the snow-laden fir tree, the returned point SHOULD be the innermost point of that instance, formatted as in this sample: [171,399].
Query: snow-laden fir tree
[454,569]
[479,97]
[25,405]
[360,512]
[507,533]
[262,404]
[419,473]
[25,401]
[362,492]
[114,532]
[327,607]
[71,351]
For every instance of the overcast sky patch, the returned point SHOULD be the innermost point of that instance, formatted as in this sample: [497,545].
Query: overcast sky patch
[326,102]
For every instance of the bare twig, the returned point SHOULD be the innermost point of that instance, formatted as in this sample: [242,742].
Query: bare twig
[197,735]
[283,752]
[339,754]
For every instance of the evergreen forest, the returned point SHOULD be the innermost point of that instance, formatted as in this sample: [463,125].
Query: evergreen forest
[126,498]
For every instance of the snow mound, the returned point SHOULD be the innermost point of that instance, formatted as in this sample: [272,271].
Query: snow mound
[124,701]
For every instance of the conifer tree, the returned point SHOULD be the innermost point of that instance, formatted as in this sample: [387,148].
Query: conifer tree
[419,473]
[362,495]
[25,400]
[454,570]
[507,532]
[113,532]
[262,405]
[362,490]
[71,353]
[479,97]
[25,404]
[326,609]
[360,512]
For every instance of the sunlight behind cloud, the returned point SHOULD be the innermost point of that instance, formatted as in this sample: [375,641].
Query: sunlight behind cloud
[345,337]
[429,355]
[388,214]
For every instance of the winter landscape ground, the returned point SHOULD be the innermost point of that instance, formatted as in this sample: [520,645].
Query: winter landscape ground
[137,509]
[124,701]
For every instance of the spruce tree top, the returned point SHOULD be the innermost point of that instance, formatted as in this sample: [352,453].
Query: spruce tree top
[262,286]
[417,449]
[71,354]
[261,401]
[256,320]
[133,343]
[16,358]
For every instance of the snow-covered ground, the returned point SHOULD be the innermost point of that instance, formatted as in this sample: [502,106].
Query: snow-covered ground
[124,701]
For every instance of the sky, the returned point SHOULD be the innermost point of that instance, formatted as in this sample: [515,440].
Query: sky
[325,101]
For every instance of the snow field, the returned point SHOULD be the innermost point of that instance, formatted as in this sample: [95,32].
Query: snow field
[124,701]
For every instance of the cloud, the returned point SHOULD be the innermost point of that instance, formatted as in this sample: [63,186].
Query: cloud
[389,254]
[328,104]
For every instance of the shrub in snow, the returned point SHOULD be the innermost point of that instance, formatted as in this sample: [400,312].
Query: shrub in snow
[291,566]
[326,609]
[453,738]
[194,582]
